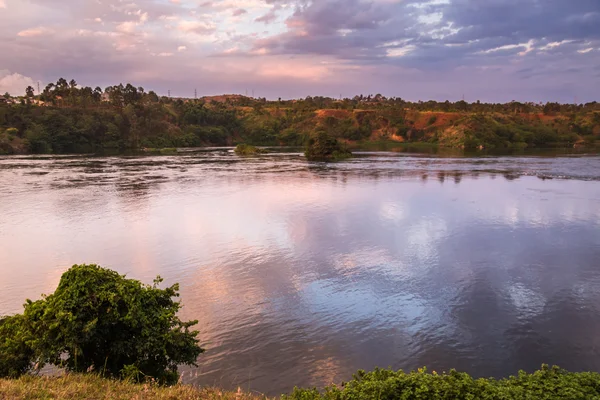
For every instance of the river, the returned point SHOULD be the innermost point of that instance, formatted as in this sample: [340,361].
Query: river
[302,273]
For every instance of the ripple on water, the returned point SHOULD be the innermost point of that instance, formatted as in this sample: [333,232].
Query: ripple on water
[302,273]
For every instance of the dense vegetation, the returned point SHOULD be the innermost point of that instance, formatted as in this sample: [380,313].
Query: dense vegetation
[323,147]
[97,320]
[248,150]
[66,118]
[548,383]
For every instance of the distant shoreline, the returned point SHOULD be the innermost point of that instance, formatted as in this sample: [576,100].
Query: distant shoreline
[65,120]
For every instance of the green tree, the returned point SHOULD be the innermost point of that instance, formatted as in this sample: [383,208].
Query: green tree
[153,97]
[99,320]
[29,92]
[97,94]
[16,353]
[323,147]
[62,87]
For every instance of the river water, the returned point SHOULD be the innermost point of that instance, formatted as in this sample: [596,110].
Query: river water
[302,273]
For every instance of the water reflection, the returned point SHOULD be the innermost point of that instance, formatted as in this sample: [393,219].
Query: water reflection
[300,273]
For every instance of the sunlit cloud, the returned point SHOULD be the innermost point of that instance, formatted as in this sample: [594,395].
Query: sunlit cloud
[33,32]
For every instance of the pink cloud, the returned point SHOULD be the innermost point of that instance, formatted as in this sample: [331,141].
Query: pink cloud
[197,27]
[40,31]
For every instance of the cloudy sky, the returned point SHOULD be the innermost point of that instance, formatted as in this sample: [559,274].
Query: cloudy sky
[492,50]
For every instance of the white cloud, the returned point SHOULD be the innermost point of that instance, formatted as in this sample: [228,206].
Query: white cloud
[163,54]
[14,83]
[2,4]
[127,26]
[40,31]
[130,26]
[553,45]
[181,48]
[197,27]
[401,51]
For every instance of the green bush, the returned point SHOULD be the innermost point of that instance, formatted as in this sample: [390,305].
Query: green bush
[97,320]
[248,150]
[16,354]
[290,137]
[322,147]
[548,383]
[12,131]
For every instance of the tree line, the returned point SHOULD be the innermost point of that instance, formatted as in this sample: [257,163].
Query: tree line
[67,118]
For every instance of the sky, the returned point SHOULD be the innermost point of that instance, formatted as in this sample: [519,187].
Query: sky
[488,50]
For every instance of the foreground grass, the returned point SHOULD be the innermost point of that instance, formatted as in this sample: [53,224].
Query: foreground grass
[93,387]
[549,383]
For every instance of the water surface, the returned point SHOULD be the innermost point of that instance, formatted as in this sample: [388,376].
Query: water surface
[301,273]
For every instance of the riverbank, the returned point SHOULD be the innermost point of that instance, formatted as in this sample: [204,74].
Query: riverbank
[165,123]
[93,387]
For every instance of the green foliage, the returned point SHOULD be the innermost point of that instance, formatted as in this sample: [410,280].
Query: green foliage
[37,139]
[161,150]
[291,137]
[205,135]
[77,119]
[12,131]
[323,147]
[248,150]
[548,383]
[16,353]
[97,320]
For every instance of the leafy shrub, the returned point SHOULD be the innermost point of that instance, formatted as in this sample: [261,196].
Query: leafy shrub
[211,135]
[248,150]
[322,147]
[16,354]
[12,131]
[548,383]
[97,320]
[290,137]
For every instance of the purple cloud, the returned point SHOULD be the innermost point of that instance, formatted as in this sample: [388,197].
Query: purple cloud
[497,50]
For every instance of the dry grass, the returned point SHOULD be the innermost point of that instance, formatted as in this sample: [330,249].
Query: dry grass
[442,119]
[339,114]
[92,387]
